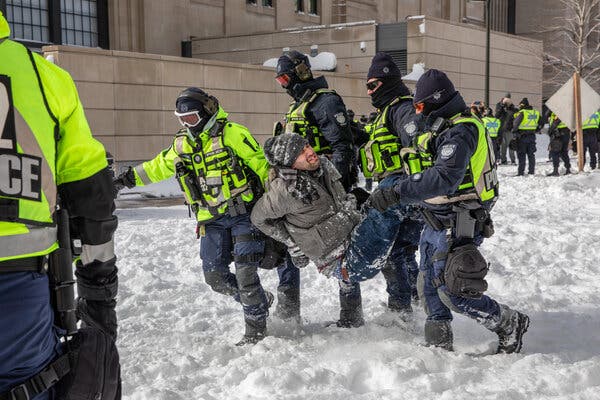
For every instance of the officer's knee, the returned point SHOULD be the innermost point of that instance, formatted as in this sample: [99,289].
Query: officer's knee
[218,282]
[446,300]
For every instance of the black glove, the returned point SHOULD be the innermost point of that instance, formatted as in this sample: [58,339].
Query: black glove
[382,199]
[126,179]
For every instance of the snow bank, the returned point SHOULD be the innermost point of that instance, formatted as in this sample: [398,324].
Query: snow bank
[177,336]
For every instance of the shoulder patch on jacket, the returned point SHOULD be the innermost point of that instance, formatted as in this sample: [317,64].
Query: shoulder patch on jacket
[340,118]
[447,151]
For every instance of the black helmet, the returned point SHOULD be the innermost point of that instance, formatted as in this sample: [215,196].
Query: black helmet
[293,67]
[194,108]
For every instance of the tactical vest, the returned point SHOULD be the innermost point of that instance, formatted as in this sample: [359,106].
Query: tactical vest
[492,125]
[530,119]
[480,181]
[380,156]
[593,122]
[212,177]
[28,136]
[296,122]
[553,118]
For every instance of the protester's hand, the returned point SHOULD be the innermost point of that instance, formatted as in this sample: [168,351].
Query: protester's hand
[298,257]
[383,198]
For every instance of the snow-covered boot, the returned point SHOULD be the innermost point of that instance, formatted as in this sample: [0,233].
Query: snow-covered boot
[553,173]
[351,313]
[288,304]
[256,330]
[510,331]
[439,334]
[404,310]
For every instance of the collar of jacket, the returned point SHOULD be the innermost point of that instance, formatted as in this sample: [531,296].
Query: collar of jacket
[299,90]
[455,105]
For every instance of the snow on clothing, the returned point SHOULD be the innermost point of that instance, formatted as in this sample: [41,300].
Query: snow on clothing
[444,178]
[329,227]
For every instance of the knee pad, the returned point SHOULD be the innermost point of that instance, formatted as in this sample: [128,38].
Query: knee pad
[465,272]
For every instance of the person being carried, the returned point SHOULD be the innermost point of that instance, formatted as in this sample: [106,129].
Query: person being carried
[306,208]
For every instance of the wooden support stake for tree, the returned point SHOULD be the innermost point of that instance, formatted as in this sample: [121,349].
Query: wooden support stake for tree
[579,130]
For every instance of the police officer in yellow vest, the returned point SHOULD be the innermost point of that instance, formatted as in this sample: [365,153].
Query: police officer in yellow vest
[590,138]
[525,126]
[453,177]
[493,126]
[393,128]
[48,156]
[318,114]
[221,169]
[559,144]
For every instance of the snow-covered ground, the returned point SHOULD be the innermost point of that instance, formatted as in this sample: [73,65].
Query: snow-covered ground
[177,336]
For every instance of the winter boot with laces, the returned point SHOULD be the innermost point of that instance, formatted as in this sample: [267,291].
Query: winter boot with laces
[288,304]
[439,334]
[256,330]
[513,326]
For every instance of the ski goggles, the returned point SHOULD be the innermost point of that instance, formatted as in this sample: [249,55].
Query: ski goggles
[373,84]
[283,79]
[189,119]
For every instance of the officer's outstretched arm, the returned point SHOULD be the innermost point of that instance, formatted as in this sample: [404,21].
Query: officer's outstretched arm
[86,190]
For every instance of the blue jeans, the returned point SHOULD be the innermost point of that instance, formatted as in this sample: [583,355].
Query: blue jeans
[216,249]
[372,240]
[28,340]
[438,301]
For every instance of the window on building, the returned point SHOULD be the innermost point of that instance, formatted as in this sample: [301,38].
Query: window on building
[299,5]
[29,22]
[312,7]
[74,22]
[79,22]
[250,1]
[267,3]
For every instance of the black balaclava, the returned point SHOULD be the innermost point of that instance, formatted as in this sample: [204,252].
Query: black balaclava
[385,69]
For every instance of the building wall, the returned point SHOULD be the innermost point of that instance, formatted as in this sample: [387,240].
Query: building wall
[459,50]
[129,97]
[159,27]
[343,41]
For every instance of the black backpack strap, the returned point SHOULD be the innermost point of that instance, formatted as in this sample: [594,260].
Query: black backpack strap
[40,382]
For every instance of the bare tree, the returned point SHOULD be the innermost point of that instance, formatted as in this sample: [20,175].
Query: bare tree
[580,31]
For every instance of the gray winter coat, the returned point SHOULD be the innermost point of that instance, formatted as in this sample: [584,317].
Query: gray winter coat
[320,229]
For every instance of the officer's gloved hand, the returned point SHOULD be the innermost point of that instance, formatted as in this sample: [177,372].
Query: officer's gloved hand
[383,198]
[298,257]
[126,179]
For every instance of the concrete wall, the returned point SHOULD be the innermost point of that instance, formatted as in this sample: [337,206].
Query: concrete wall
[129,97]
[343,41]
[459,50]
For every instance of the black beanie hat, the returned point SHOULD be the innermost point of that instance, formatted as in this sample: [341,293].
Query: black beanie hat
[283,150]
[524,102]
[383,66]
[434,87]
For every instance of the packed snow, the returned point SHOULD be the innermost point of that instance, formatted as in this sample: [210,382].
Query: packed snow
[177,337]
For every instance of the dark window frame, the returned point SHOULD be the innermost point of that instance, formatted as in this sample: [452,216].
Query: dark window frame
[55,34]
[313,7]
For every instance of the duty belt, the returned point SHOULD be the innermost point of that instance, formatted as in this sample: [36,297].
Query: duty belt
[30,264]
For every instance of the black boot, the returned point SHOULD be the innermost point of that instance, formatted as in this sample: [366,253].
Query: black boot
[553,173]
[351,314]
[405,311]
[256,330]
[439,334]
[288,304]
[513,326]
[568,171]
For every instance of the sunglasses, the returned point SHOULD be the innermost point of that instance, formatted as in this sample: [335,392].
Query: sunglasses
[283,79]
[373,84]
[189,119]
